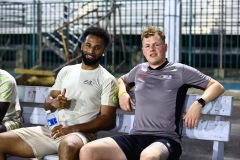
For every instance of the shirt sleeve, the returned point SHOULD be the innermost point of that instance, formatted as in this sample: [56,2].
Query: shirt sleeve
[109,92]
[8,93]
[130,76]
[194,77]
[7,89]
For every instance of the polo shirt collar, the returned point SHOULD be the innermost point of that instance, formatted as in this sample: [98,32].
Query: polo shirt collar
[160,67]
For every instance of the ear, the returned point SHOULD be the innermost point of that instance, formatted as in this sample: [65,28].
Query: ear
[104,51]
[81,46]
[166,47]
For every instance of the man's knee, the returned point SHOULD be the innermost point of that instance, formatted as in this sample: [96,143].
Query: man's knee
[148,155]
[86,151]
[70,144]
[153,156]
[155,153]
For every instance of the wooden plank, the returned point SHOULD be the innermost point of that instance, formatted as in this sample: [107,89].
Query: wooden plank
[32,104]
[34,115]
[124,123]
[35,94]
[33,72]
[65,48]
[209,130]
[51,157]
[220,106]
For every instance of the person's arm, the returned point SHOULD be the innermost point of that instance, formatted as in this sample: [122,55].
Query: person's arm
[3,109]
[2,128]
[105,121]
[55,100]
[212,91]
[7,94]
[125,100]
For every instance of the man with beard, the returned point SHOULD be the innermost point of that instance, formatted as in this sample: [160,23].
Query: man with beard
[85,98]
[10,110]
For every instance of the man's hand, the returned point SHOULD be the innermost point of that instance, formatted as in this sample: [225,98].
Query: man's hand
[61,130]
[191,118]
[60,101]
[125,102]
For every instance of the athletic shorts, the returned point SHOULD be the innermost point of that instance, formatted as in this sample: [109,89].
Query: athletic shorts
[133,145]
[42,144]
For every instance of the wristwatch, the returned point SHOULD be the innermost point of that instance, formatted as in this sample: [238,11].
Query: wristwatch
[201,101]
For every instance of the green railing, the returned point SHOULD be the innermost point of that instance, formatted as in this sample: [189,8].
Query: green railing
[46,36]
[210,37]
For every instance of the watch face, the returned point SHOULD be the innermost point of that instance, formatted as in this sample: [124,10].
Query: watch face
[201,101]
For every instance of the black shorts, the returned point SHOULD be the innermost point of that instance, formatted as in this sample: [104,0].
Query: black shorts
[133,145]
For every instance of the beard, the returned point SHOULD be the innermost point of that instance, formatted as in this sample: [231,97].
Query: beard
[91,62]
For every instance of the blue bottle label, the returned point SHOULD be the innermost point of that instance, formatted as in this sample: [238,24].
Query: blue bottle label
[52,122]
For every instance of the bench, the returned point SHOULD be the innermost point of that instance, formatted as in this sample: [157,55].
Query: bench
[211,126]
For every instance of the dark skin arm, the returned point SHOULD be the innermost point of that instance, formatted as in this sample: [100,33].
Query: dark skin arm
[56,100]
[105,120]
[3,110]
[2,128]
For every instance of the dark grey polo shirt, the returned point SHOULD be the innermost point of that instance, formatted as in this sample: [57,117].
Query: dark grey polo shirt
[160,94]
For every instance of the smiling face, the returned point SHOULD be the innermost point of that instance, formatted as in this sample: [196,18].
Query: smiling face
[154,49]
[92,50]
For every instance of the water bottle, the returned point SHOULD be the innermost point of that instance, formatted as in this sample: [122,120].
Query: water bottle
[51,119]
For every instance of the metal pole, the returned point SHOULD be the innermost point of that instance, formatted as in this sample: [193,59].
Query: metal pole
[221,40]
[33,35]
[190,37]
[114,37]
[39,28]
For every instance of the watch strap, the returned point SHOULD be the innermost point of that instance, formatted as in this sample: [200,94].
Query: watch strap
[201,101]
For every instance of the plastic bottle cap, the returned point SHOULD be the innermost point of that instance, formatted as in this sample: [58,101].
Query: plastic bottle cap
[48,111]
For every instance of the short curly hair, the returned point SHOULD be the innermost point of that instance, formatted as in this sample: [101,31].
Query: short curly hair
[97,31]
[152,30]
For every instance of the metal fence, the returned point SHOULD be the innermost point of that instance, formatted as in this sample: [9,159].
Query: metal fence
[210,37]
[47,35]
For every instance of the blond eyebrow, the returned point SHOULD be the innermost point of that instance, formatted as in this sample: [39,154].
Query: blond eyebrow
[153,43]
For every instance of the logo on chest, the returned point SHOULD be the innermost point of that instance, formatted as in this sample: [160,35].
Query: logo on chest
[163,76]
[88,82]
[143,75]
[166,76]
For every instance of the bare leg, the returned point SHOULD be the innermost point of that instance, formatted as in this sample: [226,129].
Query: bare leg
[12,144]
[102,149]
[69,148]
[155,151]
